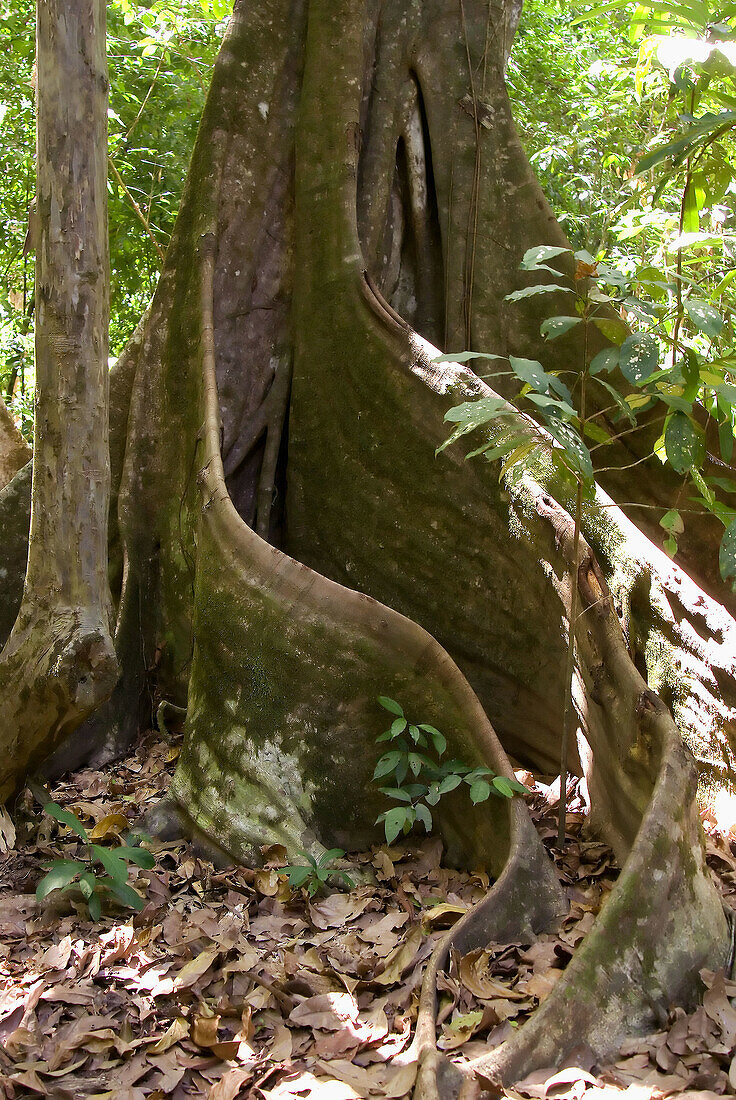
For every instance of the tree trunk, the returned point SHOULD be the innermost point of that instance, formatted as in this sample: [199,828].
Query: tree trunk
[357,190]
[59,663]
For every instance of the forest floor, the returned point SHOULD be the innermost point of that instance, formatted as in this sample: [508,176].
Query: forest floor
[230,984]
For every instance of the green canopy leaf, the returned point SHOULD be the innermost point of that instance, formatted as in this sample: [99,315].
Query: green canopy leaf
[684,443]
[727,553]
[704,316]
[558,326]
[639,357]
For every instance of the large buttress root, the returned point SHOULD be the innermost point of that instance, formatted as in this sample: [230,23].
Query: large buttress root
[278,664]
[642,780]
[663,921]
[271,755]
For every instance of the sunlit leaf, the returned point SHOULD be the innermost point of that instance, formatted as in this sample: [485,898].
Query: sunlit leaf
[558,326]
[704,316]
[684,443]
[639,357]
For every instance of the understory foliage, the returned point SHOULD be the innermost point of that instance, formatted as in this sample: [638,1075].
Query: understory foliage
[420,779]
[660,214]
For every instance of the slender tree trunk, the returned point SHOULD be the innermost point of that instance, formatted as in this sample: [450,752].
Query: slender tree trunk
[59,662]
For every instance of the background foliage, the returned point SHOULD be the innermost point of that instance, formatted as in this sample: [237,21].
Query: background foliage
[160,58]
[591,97]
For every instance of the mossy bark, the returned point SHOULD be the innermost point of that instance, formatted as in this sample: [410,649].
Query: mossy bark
[351,184]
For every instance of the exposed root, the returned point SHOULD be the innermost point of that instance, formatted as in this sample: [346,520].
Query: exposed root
[663,921]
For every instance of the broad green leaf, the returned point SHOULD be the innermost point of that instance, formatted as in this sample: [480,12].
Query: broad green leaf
[414,733]
[449,783]
[605,360]
[94,904]
[87,883]
[539,255]
[601,9]
[398,726]
[296,875]
[124,892]
[613,329]
[678,149]
[558,409]
[691,373]
[518,456]
[503,786]
[477,773]
[480,791]
[573,446]
[727,553]
[415,763]
[704,316]
[386,764]
[424,815]
[438,739]
[399,793]
[725,440]
[140,856]
[586,257]
[61,874]
[672,522]
[116,867]
[469,419]
[690,209]
[330,856]
[623,405]
[708,495]
[473,414]
[558,386]
[639,357]
[517,786]
[66,818]
[558,326]
[394,822]
[391,704]
[538,288]
[684,443]
[492,450]
[531,372]
[465,356]
[595,432]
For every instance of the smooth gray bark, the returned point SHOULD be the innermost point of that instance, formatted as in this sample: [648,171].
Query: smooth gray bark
[59,662]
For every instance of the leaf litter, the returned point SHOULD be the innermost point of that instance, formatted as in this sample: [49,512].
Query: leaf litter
[231,984]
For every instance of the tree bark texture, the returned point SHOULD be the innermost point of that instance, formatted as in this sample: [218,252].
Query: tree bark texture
[358,197]
[59,663]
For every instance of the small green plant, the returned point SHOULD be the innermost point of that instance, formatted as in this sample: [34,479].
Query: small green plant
[313,874]
[98,874]
[675,386]
[408,757]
